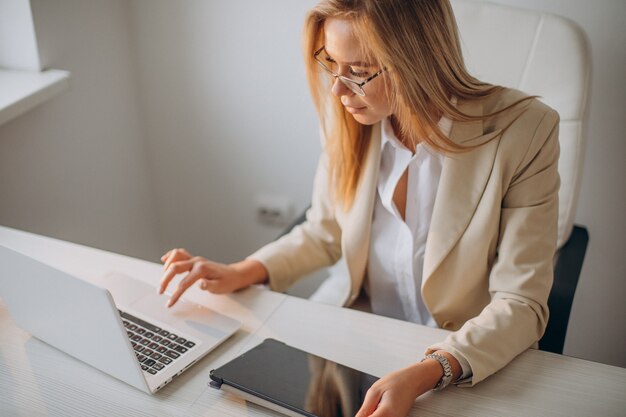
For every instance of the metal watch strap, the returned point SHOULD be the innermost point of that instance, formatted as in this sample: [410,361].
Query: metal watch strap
[447,370]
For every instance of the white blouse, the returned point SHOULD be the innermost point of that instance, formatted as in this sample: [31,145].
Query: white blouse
[397,246]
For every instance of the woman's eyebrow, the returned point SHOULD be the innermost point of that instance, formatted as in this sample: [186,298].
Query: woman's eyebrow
[351,64]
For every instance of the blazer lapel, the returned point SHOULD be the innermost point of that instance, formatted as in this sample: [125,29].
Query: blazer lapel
[463,180]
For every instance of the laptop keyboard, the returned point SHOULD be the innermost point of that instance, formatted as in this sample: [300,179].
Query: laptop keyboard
[155,347]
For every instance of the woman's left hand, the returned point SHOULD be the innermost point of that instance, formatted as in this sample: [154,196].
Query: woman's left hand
[394,394]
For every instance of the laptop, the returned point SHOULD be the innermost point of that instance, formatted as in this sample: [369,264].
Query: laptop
[119,325]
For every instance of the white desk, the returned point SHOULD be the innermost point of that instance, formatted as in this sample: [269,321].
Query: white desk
[36,379]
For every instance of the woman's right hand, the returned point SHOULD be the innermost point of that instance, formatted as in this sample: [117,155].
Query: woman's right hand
[214,277]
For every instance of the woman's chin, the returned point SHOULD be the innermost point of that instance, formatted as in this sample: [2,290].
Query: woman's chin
[366,119]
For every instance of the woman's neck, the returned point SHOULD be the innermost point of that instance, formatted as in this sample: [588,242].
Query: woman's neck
[410,142]
[404,139]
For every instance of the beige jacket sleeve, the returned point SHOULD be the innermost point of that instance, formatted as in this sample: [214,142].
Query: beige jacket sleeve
[521,277]
[309,246]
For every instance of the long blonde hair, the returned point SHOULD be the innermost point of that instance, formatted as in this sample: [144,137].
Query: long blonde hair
[417,42]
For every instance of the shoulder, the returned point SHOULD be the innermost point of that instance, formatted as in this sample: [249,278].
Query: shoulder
[510,107]
[528,132]
[525,121]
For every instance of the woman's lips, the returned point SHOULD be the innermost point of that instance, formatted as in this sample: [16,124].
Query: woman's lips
[355,110]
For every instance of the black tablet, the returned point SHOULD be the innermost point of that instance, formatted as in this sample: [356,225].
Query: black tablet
[293,382]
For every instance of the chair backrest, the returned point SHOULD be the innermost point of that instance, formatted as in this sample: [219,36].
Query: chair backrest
[566,273]
[541,54]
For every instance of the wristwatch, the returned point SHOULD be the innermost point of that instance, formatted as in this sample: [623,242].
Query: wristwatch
[447,370]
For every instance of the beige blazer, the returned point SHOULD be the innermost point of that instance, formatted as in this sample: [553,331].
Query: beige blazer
[488,261]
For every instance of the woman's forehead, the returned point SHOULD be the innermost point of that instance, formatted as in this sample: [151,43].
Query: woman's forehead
[340,42]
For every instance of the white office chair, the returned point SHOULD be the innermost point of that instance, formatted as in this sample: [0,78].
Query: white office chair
[545,55]
[540,54]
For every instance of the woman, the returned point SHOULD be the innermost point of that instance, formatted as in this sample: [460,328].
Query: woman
[439,191]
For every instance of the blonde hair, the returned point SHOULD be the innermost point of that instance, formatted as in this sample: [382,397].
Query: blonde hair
[417,42]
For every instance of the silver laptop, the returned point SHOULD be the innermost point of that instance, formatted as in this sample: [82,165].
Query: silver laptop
[119,326]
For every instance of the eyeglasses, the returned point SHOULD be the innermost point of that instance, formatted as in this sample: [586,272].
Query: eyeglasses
[353,85]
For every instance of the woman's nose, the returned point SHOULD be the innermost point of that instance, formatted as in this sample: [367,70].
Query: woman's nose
[340,89]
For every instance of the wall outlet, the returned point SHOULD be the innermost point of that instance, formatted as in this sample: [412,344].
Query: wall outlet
[274,209]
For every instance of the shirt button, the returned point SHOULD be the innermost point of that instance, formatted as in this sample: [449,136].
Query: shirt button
[447,325]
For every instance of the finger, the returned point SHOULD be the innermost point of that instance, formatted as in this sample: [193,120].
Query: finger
[164,257]
[175,256]
[170,252]
[370,403]
[184,285]
[173,270]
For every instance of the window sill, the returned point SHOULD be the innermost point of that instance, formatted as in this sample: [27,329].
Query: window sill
[20,91]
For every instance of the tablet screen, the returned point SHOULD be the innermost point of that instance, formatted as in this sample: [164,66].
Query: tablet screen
[297,380]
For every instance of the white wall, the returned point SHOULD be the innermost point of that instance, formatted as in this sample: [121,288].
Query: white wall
[227,115]
[75,167]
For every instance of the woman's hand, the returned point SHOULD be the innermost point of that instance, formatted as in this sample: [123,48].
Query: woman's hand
[394,394]
[214,277]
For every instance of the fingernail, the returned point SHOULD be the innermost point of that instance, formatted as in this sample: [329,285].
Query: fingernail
[169,303]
